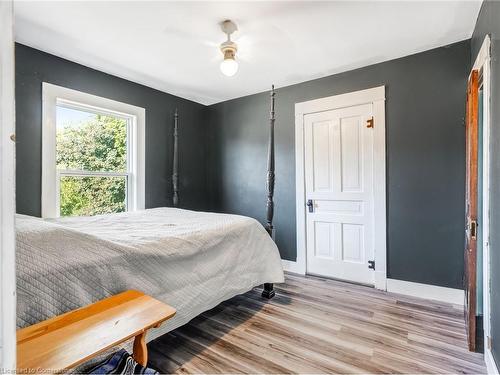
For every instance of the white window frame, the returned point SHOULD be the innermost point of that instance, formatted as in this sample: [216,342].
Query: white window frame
[52,96]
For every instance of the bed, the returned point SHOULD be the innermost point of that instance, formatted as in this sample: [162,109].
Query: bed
[190,260]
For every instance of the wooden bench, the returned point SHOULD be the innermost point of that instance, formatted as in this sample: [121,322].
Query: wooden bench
[70,339]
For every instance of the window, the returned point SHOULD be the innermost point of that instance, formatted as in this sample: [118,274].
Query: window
[93,154]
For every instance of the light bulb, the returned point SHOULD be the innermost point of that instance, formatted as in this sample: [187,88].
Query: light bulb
[229,67]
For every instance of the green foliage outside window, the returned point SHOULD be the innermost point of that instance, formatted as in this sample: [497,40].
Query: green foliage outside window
[96,144]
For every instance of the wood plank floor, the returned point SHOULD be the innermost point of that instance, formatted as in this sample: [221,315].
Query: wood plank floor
[315,325]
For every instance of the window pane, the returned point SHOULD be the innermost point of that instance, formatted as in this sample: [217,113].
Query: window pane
[87,196]
[89,141]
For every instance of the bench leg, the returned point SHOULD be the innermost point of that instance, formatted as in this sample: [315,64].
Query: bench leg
[140,349]
[268,291]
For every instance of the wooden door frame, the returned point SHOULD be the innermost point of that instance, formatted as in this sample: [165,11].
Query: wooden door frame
[482,64]
[7,194]
[471,209]
[375,96]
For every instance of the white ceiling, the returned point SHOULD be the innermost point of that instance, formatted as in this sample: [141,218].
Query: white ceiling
[173,46]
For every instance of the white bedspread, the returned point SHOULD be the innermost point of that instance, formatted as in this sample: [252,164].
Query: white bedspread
[190,260]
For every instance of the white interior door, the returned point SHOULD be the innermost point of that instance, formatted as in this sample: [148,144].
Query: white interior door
[339,189]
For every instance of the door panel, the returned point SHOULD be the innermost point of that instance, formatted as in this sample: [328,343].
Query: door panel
[324,234]
[350,149]
[323,156]
[352,243]
[470,253]
[339,181]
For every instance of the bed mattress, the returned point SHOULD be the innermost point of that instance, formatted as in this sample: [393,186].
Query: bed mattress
[190,260]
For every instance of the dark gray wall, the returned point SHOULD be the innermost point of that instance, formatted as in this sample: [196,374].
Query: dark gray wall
[223,164]
[425,158]
[34,67]
[489,23]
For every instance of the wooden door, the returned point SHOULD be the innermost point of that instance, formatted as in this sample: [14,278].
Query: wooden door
[471,198]
[340,193]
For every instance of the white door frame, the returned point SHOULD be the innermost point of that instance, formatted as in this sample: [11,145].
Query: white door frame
[482,63]
[7,195]
[376,96]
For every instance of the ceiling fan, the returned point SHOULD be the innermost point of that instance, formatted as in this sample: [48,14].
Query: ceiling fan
[229,66]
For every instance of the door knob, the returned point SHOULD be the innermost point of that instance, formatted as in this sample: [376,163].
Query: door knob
[310,205]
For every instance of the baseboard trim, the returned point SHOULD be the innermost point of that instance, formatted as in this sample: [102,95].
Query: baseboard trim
[292,267]
[491,366]
[438,293]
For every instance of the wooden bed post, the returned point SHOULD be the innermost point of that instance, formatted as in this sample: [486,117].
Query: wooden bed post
[175,174]
[268,291]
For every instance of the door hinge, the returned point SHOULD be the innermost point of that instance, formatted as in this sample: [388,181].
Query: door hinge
[369,122]
[371,265]
[473,229]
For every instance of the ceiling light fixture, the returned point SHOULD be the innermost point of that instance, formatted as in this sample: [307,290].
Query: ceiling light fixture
[229,66]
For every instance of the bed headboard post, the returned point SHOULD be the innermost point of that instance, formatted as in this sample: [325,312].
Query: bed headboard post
[175,167]
[270,170]
[268,291]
